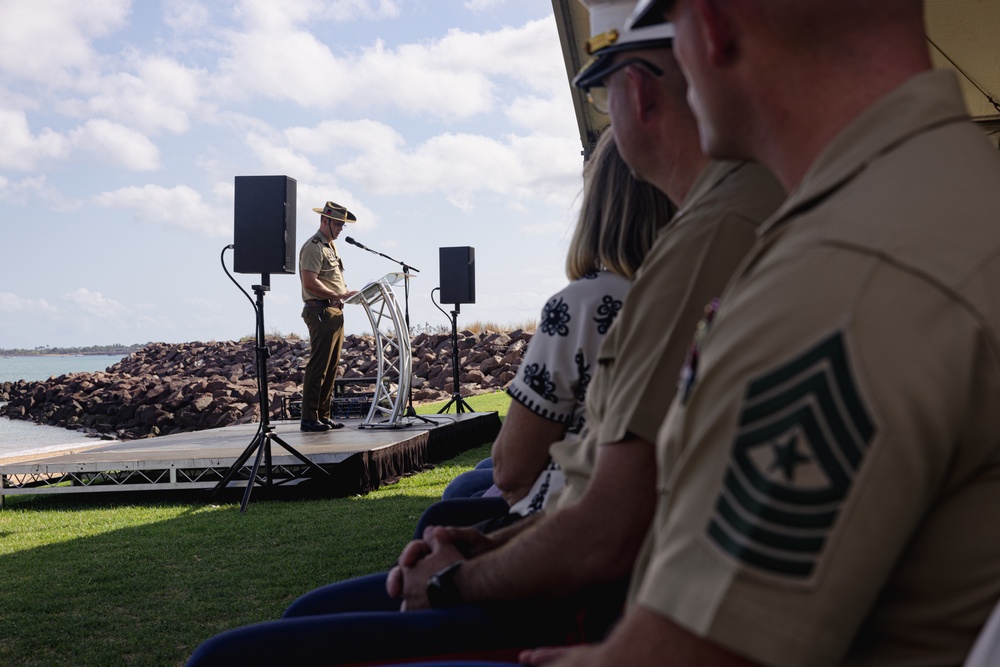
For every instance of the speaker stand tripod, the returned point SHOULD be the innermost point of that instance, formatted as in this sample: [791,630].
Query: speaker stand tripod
[265,434]
[456,394]
[410,412]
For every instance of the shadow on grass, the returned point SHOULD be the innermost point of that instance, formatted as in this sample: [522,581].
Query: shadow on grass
[88,584]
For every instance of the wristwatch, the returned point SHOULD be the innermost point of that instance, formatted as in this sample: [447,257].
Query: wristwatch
[441,588]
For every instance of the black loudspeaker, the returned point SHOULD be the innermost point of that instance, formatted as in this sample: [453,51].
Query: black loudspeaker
[458,274]
[264,220]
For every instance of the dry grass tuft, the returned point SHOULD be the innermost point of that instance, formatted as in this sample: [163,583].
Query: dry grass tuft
[479,327]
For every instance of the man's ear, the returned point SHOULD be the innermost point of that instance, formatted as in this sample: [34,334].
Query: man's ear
[642,97]
[715,21]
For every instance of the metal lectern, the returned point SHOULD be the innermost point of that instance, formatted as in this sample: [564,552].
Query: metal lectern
[392,351]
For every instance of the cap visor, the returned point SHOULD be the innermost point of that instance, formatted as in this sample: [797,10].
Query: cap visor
[592,73]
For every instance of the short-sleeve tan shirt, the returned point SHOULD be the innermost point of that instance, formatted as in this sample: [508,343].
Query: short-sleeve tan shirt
[828,491]
[689,265]
[321,257]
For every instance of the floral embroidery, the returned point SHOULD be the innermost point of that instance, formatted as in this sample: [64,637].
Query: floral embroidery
[538,500]
[540,381]
[555,316]
[606,313]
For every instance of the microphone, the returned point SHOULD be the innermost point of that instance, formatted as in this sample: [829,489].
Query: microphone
[353,242]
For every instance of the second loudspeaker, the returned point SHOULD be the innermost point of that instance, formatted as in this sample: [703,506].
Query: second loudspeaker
[458,274]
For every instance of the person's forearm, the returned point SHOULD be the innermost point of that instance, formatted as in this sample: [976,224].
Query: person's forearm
[521,450]
[515,472]
[324,292]
[552,559]
[593,541]
[508,533]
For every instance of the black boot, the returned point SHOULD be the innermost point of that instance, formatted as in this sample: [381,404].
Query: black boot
[313,425]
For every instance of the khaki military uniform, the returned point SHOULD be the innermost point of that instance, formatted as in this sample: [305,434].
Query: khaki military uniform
[690,264]
[827,490]
[325,324]
[321,257]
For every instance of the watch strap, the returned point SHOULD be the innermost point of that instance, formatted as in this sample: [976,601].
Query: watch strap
[441,588]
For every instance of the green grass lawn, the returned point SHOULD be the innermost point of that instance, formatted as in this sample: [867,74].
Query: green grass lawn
[97,582]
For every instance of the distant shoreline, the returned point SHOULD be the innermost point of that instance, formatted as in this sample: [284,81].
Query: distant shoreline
[112,350]
[66,354]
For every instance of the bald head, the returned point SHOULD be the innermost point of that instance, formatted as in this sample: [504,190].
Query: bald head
[833,26]
[775,80]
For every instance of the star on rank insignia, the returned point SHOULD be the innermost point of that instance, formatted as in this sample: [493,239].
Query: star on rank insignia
[803,434]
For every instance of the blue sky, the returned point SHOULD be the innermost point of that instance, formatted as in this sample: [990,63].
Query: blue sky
[123,125]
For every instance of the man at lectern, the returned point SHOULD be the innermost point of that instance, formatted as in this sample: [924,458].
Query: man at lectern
[323,292]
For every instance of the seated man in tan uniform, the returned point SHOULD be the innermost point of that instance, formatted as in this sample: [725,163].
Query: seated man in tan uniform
[824,483]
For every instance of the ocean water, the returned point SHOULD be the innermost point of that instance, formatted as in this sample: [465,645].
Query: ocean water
[19,437]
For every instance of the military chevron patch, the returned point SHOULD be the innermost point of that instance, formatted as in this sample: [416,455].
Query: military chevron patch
[803,434]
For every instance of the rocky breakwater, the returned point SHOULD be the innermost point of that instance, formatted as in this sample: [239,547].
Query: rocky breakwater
[163,389]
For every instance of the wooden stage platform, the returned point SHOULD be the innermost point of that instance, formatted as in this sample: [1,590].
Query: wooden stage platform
[358,460]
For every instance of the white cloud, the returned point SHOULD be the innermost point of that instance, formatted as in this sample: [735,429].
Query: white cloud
[179,206]
[18,192]
[315,193]
[93,303]
[49,40]
[545,115]
[22,150]
[446,163]
[117,144]
[335,138]
[185,15]
[266,13]
[279,159]
[351,10]
[480,5]
[433,79]
[160,94]
[285,65]
[527,168]
[450,78]
[460,166]
[11,303]
[528,55]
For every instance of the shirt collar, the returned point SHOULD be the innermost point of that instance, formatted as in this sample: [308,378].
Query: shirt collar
[713,173]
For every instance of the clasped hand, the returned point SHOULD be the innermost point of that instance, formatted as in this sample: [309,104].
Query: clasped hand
[420,559]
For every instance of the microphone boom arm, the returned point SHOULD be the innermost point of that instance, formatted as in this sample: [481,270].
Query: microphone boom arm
[405,266]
